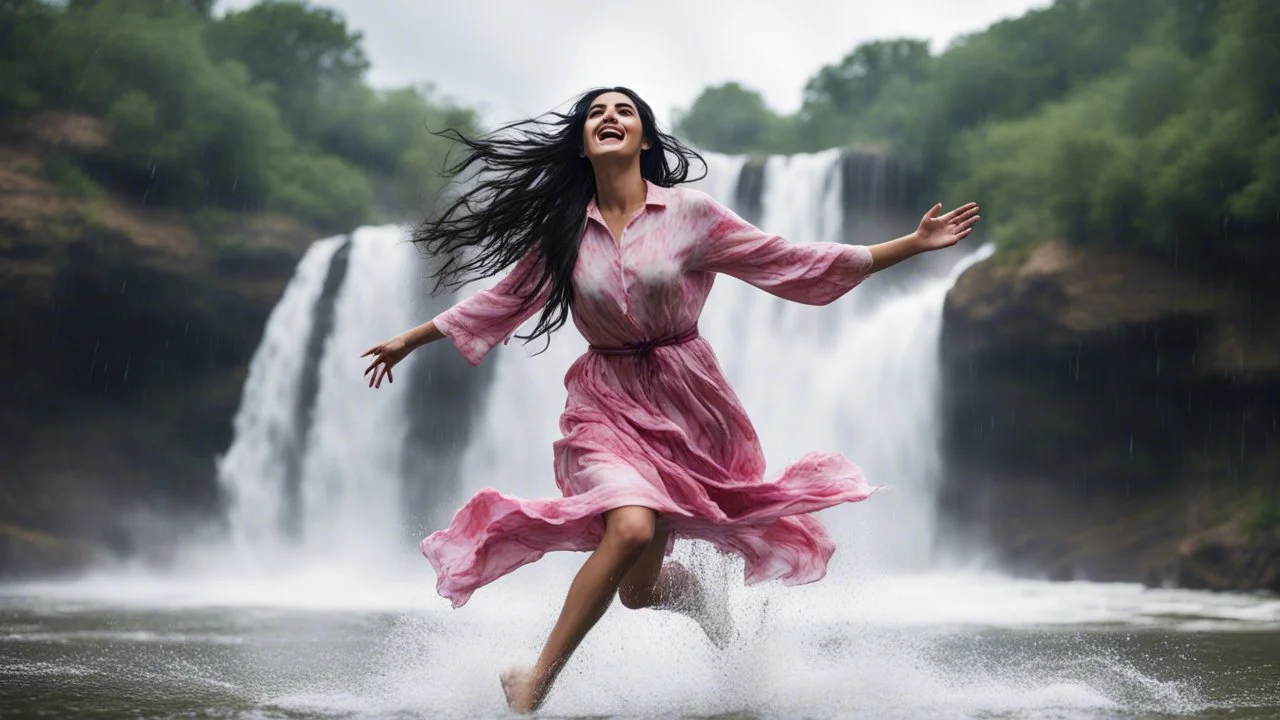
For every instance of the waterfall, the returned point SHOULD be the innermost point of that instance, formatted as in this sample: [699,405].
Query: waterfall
[254,471]
[859,377]
[314,473]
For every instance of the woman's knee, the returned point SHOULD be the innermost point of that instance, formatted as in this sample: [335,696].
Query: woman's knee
[630,529]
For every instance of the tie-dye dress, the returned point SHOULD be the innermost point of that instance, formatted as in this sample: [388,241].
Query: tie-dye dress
[650,419]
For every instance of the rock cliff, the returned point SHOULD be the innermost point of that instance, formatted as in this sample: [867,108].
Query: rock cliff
[126,333]
[1110,418]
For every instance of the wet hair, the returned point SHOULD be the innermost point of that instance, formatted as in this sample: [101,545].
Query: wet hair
[526,189]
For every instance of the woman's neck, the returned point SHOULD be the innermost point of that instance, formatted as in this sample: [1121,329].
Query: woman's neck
[620,192]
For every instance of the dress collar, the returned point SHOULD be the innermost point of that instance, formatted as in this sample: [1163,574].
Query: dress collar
[655,196]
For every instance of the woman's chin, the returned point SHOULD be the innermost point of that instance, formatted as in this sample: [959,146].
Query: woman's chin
[613,153]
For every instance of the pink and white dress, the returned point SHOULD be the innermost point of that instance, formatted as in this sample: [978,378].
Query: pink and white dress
[650,419]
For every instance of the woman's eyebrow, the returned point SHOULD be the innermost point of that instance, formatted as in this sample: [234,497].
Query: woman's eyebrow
[620,103]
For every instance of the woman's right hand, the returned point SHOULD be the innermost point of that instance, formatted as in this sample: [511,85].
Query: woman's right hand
[385,356]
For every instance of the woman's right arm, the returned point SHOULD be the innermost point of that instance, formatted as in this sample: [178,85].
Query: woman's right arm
[424,334]
[475,325]
[490,317]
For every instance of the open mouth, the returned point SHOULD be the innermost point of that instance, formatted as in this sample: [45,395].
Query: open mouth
[609,134]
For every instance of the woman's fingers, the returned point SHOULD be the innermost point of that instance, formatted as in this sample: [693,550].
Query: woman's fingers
[380,368]
[961,212]
[382,371]
[375,367]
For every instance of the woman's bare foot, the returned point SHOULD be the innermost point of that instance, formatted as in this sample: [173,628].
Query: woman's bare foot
[521,691]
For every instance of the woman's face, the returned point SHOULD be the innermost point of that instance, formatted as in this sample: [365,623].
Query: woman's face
[613,129]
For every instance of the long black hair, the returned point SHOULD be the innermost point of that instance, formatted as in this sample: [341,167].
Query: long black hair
[529,192]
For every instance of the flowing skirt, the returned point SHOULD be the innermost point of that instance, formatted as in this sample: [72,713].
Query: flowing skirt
[662,430]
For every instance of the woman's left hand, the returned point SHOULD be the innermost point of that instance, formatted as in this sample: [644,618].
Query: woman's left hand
[942,231]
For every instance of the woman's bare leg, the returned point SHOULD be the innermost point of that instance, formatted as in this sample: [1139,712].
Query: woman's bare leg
[628,532]
[671,586]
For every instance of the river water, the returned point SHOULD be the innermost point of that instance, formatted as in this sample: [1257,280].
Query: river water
[925,646]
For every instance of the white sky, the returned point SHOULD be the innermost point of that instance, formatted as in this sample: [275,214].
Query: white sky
[516,58]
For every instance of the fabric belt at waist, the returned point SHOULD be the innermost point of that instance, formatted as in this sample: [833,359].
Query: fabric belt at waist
[647,346]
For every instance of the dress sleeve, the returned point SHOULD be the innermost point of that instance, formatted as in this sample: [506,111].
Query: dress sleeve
[809,273]
[479,323]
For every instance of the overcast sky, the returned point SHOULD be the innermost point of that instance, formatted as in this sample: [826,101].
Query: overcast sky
[515,58]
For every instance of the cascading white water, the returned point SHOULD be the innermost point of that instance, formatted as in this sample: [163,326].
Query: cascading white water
[347,511]
[253,470]
[351,472]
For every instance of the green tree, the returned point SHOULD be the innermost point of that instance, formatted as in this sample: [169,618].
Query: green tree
[23,25]
[276,116]
[837,99]
[390,133]
[856,81]
[307,55]
[201,8]
[728,118]
[187,131]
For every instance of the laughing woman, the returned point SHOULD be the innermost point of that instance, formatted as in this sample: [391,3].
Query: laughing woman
[587,207]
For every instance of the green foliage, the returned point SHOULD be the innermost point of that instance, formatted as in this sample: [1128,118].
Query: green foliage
[837,98]
[1264,515]
[69,178]
[304,54]
[729,118]
[186,131]
[264,108]
[324,188]
[856,82]
[423,157]
[1166,148]
[390,133]
[22,24]
[1142,123]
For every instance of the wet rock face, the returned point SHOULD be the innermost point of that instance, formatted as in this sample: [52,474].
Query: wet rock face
[1100,410]
[126,336]
[1230,557]
[119,384]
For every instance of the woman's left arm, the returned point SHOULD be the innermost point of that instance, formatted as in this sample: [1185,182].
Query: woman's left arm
[936,231]
[810,273]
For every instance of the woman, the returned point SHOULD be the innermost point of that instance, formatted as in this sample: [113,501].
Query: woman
[655,443]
